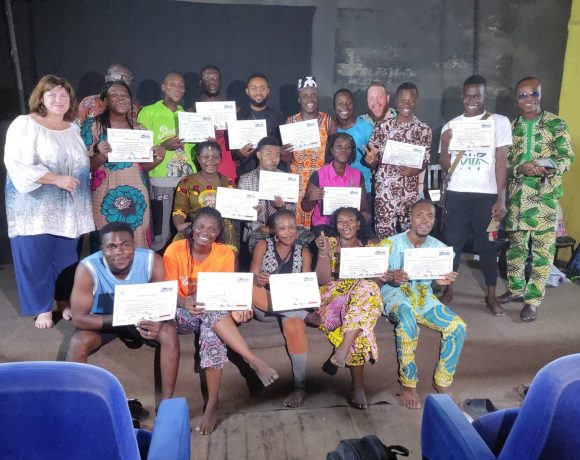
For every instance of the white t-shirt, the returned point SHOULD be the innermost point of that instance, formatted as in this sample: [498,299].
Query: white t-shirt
[476,171]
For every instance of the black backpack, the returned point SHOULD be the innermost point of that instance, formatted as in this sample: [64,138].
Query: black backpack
[368,448]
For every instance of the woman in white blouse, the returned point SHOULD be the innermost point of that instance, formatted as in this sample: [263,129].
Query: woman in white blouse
[48,197]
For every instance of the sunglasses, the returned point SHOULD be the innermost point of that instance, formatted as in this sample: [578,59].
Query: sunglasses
[525,94]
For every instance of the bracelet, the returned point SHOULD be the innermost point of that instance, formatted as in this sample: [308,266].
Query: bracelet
[323,255]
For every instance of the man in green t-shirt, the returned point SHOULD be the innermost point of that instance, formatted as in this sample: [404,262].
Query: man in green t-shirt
[161,118]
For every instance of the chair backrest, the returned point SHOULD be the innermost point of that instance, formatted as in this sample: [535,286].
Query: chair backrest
[59,410]
[548,425]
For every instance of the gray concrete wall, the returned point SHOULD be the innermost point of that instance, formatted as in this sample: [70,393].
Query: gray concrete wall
[348,44]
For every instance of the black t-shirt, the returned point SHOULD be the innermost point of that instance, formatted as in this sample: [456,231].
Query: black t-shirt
[273,120]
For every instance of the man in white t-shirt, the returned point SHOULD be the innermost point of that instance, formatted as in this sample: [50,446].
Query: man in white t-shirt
[476,191]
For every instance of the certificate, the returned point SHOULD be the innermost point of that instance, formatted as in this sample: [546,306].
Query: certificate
[195,127]
[294,291]
[149,301]
[471,135]
[340,197]
[428,263]
[130,145]
[284,185]
[302,135]
[234,203]
[225,291]
[242,132]
[222,112]
[363,262]
[403,154]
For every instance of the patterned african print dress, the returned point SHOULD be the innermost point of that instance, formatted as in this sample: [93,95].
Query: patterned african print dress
[192,194]
[305,162]
[119,190]
[351,304]
[396,193]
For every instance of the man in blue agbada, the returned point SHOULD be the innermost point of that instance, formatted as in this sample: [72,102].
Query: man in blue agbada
[410,303]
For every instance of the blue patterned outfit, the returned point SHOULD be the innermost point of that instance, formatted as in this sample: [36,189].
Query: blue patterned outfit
[414,303]
[44,221]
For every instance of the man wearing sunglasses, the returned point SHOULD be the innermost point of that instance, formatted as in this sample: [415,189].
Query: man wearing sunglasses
[541,153]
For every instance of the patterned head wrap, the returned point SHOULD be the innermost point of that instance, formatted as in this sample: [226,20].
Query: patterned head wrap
[307,82]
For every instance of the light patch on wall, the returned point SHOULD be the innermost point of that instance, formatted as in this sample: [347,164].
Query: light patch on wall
[452,63]
[361,67]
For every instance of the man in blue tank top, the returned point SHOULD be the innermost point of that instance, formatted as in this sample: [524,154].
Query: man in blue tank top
[117,263]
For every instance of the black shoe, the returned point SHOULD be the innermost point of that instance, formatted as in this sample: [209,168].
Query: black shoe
[528,313]
[508,297]
[137,410]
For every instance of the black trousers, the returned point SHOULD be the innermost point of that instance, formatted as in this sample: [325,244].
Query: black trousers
[468,215]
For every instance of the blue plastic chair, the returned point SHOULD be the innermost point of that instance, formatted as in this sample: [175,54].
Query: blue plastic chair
[60,410]
[546,426]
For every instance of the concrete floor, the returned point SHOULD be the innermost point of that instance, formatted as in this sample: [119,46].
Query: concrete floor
[499,354]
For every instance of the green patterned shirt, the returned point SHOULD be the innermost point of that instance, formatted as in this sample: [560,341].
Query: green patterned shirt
[533,203]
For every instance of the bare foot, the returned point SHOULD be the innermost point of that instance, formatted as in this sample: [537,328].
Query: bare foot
[446,297]
[409,398]
[358,398]
[312,319]
[447,391]
[265,373]
[66,314]
[494,307]
[295,398]
[338,358]
[44,320]
[209,419]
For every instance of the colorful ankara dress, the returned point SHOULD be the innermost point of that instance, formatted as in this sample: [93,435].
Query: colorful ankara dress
[119,190]
[192,194]
[395,193]
[533,201]
[351,304]
[180,266]
[305,162]
[412,304]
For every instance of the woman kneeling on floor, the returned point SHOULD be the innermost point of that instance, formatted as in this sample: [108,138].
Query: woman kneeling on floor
[203,251]
[349,308]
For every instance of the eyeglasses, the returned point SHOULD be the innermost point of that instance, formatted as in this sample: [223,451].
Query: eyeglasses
[535,93]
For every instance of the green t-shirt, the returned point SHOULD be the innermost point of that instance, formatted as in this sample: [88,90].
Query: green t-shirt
[163,122]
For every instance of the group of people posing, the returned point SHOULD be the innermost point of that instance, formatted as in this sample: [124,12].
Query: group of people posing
[157,221]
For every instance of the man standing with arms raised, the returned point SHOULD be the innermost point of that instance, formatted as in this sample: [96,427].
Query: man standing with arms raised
[161,118]
[476,191]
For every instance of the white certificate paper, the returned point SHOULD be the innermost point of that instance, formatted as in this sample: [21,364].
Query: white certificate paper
[428,263]
[403,154]
[302,135]
[222,112]
[294,291]
[130,145]
[242,132]
[363,262]
[225,291]
[150,301]
[195,127]
[284,185]
[340,197]
[471,135]
[234,203]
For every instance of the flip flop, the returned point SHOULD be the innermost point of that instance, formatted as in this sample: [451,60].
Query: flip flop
[478,407]
[137,410]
